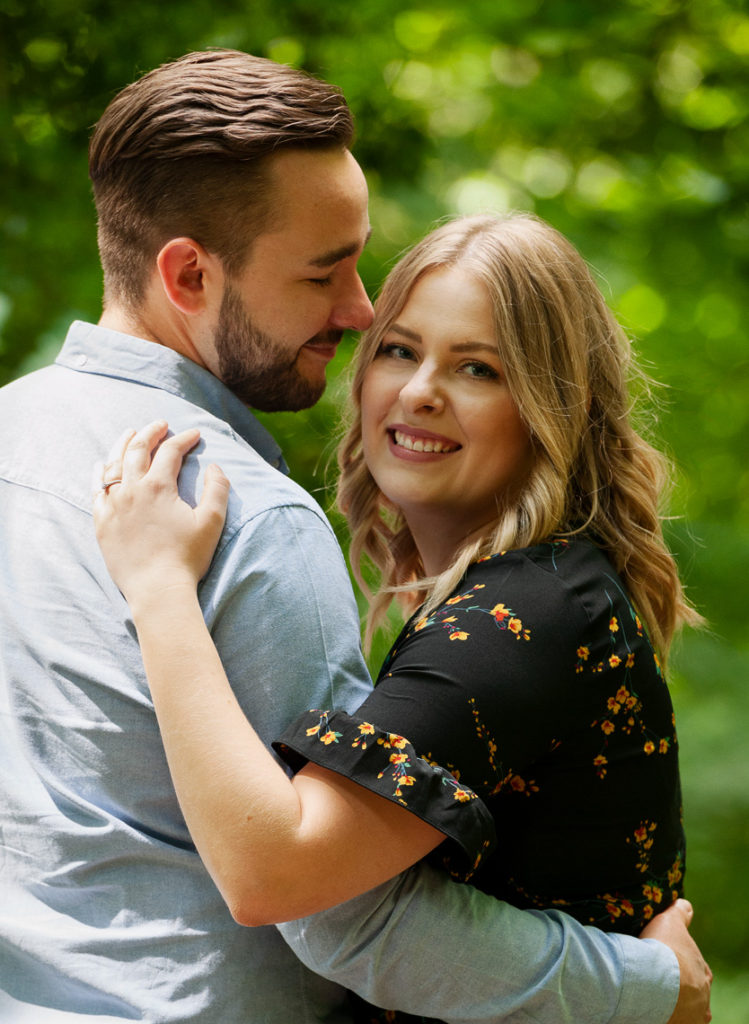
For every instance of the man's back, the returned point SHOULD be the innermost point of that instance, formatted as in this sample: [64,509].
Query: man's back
[107,908]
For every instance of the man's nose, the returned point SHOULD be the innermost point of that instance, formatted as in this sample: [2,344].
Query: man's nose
[353,310]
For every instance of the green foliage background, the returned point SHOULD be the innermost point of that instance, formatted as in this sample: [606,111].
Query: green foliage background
[624,124]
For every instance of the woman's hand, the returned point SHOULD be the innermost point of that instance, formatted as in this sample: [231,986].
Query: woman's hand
[151,539]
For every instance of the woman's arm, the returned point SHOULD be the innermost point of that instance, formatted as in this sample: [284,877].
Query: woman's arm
[276,848]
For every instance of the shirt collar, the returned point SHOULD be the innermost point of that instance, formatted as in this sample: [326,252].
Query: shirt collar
[90,348]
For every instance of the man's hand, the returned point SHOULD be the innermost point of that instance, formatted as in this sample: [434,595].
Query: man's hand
[671,927]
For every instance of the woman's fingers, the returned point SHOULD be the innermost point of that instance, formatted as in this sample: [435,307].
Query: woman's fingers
[169,456]
[138,450]
[111,470]
[211,509]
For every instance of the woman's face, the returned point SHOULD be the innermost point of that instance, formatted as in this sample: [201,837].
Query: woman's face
[441,433]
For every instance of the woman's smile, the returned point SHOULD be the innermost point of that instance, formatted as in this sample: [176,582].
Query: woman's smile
[419,442]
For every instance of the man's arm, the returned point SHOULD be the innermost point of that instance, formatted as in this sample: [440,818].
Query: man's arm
[427,945]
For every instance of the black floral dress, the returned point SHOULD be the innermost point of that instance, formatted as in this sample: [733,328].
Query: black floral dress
[536,687]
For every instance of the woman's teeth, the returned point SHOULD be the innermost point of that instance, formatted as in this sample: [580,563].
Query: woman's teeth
[422,444]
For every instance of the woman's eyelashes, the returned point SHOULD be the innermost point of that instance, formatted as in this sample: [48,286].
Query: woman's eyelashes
[395,350]
[475,368]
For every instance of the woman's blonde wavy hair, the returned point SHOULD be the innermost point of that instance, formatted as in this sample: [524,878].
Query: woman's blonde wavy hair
[568,365]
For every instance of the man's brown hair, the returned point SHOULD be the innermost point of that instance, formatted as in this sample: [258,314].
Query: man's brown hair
[183,151]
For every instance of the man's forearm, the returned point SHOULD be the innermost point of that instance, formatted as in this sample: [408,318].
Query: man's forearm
[427,945]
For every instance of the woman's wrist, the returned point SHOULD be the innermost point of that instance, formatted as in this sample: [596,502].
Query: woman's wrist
[154,599]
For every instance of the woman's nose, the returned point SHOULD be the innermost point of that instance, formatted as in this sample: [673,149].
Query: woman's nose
[423,390]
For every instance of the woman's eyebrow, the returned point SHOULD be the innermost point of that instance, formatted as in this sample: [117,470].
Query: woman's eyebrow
[405,331]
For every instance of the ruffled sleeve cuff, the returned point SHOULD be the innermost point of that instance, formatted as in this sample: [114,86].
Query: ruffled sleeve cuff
[388,765]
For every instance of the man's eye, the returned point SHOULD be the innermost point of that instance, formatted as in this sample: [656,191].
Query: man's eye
[321,282]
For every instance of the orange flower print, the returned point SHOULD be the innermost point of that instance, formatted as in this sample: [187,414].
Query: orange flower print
[613,705]
[455,600]
[647,912]
[607,726]
[600,763]
[641,834]
[621,694]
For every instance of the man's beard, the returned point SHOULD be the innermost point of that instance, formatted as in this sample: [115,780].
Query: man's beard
[256,368]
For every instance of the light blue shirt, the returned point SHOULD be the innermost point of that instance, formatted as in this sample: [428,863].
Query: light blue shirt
[107,913]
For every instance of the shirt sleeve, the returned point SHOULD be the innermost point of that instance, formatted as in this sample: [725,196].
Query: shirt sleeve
[434,947]
[279,604]
[387,764]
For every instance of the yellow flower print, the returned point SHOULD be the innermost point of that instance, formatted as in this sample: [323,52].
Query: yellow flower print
[613,705]
[627,908]
[421,624]
[461,795]
[647,912]
[515,625]
[630,659]
[614,661]
[365,729]
[313,730]
[398,758]
[621,694]
[663,746]
[649,747]
[583,653]
[607,727]
[455,600]
[500,612]
[458,635]
[407,780]
[330,737]
[614,624]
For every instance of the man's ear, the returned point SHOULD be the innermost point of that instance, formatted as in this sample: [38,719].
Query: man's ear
[188,274]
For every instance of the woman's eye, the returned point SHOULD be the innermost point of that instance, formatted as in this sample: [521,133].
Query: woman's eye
[393,350]
[474,369]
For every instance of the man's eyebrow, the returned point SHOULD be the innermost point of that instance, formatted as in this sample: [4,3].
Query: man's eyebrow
[328,259]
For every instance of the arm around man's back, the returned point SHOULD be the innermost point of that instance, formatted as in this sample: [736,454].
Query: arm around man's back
[427,945]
